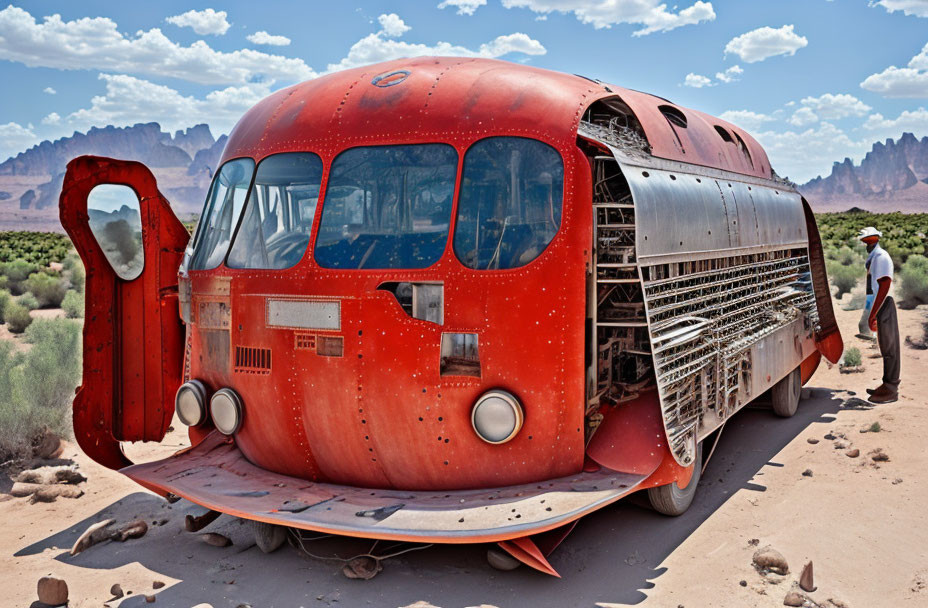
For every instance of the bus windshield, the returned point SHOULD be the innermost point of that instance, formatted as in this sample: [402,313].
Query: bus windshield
[223,207]
[387,207]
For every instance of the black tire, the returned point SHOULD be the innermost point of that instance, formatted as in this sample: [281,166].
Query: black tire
[672,500]
[269,537]
[784,396]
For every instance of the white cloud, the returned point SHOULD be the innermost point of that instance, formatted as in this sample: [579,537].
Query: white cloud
[465,7]
[746,119]
[697,81]
[766,42]
[263,37]
[14,138]
[95,43]
[910,81]
[51,119]
[919,8]
[803,155]
[914,121]
[730,75]
[803,116]
[129,100]
[203,22]
[378,47]
[652,15]
[50,91]
[392,26]
[830,107]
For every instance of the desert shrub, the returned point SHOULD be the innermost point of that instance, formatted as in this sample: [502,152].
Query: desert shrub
[77,277]
[4,282]
[73,305]
[844,277]
[852,357]
[17,318]
[36,387]
[49,290]
[28,301]
[913,281]
[16,273]
[857,301]
[5,300]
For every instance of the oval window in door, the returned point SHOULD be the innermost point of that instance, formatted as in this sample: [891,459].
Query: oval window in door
[116,222]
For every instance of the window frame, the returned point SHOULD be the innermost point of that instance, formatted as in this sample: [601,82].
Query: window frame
[460,191]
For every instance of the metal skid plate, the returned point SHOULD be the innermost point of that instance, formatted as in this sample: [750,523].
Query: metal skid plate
[216,475]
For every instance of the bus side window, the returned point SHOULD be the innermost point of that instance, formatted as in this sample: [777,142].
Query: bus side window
[510,203]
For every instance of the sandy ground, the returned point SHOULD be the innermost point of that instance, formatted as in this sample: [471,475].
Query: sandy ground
[862,524]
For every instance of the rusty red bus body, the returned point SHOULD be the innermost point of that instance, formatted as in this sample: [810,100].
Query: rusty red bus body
[351,423]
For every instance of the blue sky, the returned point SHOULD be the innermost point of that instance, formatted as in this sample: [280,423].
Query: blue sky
[813,80]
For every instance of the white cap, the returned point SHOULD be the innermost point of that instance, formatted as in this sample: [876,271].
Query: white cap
[869,231]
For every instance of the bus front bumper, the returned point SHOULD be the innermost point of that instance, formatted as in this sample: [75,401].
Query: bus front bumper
[216,475]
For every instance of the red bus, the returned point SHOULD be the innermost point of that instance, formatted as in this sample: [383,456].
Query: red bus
[446,300]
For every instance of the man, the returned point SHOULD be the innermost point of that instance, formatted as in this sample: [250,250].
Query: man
[882,317]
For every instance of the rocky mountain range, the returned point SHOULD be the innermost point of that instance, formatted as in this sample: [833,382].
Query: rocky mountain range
[893,176]
[183,164]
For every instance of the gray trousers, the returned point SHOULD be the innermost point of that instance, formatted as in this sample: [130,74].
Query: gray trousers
[887,331]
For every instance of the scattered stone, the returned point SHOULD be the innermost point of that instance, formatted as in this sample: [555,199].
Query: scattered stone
[50,475]
[51,493]
[743,583]
[812,440]
[829,437]
[878,455]
[897,481]
[149,599]
[805,579]
[364,567]
[769,559]
[133,529]
[853,453]
[840,445]
[838,603]
[157,585]
[794,598]
[96,533]
[116,591]
[53,591]
[754,542]
[807,473]
[216,540]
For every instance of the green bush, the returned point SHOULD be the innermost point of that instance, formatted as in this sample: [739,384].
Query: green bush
[5,300]
[4,282]
[17,318]
[16,273]
[73,305]
[36,387]
[28,301]
[913,281]
[77,277]
[852,357]
[49,290]
[844,277]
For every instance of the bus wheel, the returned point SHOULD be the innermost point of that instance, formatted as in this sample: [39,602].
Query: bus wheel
[670,499]
[500,560]
[784,396]
[269,537]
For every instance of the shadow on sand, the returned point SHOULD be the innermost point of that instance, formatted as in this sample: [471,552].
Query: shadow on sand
[612,556]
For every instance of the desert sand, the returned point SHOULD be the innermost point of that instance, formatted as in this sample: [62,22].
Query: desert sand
[861,522]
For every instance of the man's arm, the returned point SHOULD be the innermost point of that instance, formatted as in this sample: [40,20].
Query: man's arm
[882,292]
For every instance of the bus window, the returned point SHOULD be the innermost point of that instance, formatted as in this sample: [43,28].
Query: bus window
[279,215]
[387,207]
[510,203]
[220,215]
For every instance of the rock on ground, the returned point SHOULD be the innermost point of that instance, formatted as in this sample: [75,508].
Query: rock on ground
[52,591]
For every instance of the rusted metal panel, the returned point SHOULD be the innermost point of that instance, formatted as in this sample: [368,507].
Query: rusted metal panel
[133,337]
[216,475]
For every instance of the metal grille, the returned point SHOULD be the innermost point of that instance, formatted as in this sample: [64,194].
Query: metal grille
[303,341]
[249,360]
[703,317]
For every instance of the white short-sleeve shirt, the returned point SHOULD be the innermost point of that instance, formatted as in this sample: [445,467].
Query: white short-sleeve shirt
[881,265]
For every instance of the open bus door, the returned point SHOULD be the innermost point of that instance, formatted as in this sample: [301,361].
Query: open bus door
[131,244]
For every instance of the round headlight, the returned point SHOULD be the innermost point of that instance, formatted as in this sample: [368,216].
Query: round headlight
[190,403]
[496,417]
[226,410]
